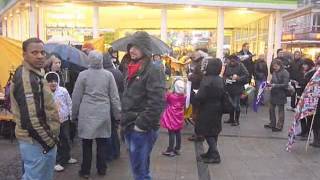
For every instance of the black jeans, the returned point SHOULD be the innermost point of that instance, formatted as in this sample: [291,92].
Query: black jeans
[174,138]
[101,163]
[63,152]
[213,150]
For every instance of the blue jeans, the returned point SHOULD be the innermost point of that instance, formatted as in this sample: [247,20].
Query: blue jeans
[37,166]
[140,146]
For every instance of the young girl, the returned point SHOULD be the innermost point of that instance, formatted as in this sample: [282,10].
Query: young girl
[173,117]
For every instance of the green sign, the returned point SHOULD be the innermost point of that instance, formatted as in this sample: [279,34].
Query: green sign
[262,1]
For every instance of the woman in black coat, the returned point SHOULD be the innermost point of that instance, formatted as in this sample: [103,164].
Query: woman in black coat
[209,97]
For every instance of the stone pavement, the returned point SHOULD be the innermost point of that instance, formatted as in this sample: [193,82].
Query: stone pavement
[248,152]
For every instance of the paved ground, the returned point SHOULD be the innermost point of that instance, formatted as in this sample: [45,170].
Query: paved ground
[248,152]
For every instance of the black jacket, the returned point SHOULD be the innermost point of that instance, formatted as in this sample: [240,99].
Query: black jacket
[260,70]
[107,64]
[143,97]
[295,70]
[248,63]
[209,97]
[194,73]
[237,87]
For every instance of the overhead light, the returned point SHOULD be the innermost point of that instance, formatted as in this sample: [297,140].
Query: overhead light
[17,11]
[27,5]
[10,15]
[5,18]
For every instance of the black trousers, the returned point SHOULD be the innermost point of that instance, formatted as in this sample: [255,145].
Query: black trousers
[63,152]
[101,163]
[213,149]
[113,149]
[174,139]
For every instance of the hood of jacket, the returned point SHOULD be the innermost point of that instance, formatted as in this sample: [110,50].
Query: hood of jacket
[214,67]
[107,62]
[142,40]
[95,60]
[52,75]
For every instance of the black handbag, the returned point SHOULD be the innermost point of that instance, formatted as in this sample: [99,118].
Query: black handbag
[227,105]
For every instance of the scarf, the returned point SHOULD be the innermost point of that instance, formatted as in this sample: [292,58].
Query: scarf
[133,68]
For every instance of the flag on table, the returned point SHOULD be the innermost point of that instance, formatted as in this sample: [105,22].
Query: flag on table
[306,106]
[259,97]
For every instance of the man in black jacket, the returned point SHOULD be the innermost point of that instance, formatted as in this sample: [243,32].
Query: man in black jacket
[236,76]
[296,76]
[142,104]
[114,144]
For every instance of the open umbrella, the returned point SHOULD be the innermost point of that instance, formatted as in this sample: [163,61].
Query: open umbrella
[69,54]
[157,46]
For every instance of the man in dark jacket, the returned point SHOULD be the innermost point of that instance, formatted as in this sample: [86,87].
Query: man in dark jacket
[296,76]
[284,59]
[236,76]
[246,59]
[195,76]
[260,72]
[278,97]
[35,113]
[142,104]
[114,144]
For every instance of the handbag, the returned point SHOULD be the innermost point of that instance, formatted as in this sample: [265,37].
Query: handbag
[290,90]
[227,105]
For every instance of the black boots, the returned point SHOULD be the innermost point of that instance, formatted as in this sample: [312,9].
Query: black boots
[316,138]
[236,121]
[231,119]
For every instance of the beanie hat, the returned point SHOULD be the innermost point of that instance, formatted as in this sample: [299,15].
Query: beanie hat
[179,86]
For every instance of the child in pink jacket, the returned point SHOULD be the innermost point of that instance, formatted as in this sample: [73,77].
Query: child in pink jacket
[173,117]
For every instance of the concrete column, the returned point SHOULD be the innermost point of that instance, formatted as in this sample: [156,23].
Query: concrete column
[41,24]
[220,33]
[164,26]
[33,19]
[95,22]
[278,31]
[270,40]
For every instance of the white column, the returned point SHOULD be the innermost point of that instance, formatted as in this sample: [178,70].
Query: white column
[164,26]
[33,19]
[19,26]
[95,22]
[4,27]
[220,33]
[41,23]
[278,31]
[270,39]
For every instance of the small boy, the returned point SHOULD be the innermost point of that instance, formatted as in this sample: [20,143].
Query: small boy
[63,100]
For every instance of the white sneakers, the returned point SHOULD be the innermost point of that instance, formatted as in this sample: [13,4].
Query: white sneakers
[60,168]
[72,161]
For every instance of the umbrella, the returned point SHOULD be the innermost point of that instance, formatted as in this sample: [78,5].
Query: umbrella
[158,46]
[69,54]
[68,40]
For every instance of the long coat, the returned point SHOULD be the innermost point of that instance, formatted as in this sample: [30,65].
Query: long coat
[280,81]
[209,96]
[237,87]
[95,90]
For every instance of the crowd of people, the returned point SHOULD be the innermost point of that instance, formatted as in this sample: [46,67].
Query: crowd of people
[131,96]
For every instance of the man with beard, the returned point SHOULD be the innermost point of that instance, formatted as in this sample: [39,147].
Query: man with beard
[142,104]
[195,76]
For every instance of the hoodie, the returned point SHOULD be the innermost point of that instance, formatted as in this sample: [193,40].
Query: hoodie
[62,99]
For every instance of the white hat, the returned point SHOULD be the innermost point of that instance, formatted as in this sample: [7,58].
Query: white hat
[179,86]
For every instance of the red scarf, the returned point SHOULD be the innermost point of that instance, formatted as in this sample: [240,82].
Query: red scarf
[133,68]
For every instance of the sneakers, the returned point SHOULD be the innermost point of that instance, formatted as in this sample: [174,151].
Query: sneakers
[58,168]
[168,153]
[211,160]
[72,161]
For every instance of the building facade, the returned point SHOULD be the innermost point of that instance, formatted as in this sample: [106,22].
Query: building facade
[216,24]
